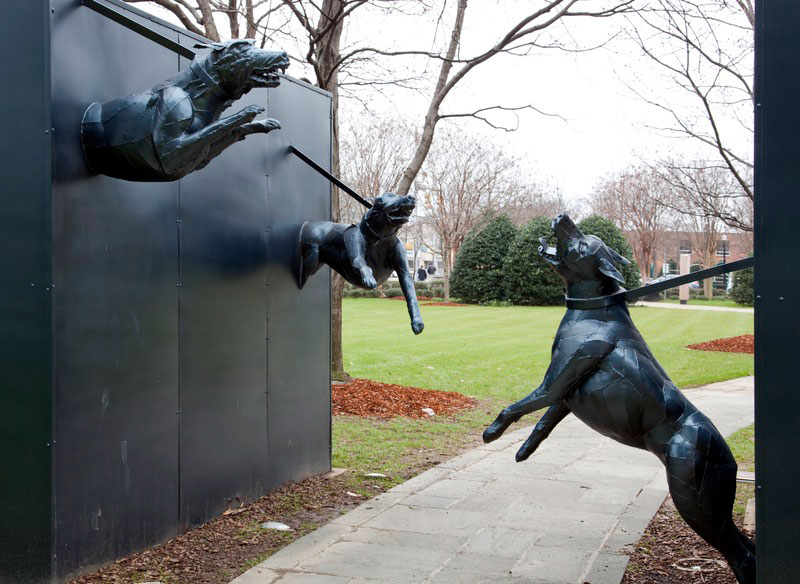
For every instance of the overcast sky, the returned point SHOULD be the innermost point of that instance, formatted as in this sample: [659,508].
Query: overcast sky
[602,127]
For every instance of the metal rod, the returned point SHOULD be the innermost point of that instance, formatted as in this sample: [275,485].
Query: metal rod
[138,27]
[330,177]
[693,277]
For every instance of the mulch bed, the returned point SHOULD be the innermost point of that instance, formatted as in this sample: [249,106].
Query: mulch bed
[740,344]
[671,553]
[220,550]
[363,397]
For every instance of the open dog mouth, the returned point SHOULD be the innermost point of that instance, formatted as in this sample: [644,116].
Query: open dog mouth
[268,76]
[547,251]
[401,215]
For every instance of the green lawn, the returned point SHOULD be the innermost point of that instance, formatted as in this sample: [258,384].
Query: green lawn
[496,354]
[724,302]
[504,352]
[742,445]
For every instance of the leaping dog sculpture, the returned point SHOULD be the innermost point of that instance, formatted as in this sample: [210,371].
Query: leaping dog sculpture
[174,128]
[365,254]
[602,371]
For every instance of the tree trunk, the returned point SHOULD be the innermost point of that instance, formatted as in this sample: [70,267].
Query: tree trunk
[708,288]
[448,265]
[432,116]
[208,20]
[327,53]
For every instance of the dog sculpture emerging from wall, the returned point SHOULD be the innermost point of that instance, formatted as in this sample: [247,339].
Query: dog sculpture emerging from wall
[174,128]
[365,254]
[602,371]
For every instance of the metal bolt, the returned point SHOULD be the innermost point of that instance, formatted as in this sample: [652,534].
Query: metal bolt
[780,298]
[52,10]
[758,296]
[47,131]
[758,105]
[178,221]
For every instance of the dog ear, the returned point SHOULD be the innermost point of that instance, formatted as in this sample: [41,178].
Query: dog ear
[212,45]
[607,268]
[621,260]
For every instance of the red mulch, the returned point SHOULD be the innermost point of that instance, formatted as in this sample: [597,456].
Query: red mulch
[221,549]
[740,344]
[362,397]
[671,553]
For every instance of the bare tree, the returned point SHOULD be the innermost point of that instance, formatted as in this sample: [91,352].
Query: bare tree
[704,229]
[518,39]
[373,155]
[639,201]
[533,198]
[244,18]
[465,180]
[705,48]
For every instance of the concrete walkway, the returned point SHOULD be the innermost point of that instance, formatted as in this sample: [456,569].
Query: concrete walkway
[695,306]
[567,515]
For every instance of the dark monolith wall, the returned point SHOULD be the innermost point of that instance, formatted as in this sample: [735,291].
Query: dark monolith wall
[158,362]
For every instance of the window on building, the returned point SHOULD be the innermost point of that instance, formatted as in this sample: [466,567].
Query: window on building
[685,246]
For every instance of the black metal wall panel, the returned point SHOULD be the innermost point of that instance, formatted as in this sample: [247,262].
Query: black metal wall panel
[134,316]
[116,311]
[25,347]
[777,319]
[223,366]
[298,322]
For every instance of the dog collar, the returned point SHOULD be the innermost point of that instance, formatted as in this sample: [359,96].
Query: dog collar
[597,302]
[206,78]
[372,231]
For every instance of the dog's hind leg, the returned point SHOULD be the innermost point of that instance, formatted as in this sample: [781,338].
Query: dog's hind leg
[701,473]
[542,429]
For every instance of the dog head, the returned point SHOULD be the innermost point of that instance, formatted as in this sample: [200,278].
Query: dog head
[389,213]
[240,65]
[578,257]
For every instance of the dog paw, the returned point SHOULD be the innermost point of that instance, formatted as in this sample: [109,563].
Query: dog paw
[368,279]
[417,325]
[251,111]
[266,125]
[500,425]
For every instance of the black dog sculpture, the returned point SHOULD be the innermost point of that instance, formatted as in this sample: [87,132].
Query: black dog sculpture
[602,371]
[365,254]
[175,128]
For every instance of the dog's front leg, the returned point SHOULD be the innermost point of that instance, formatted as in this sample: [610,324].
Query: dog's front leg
[356,253]
[236,135]
[542,429]
[569,366]
[183,151]
[400,265]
